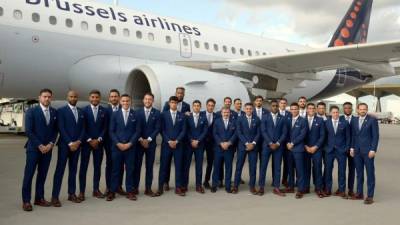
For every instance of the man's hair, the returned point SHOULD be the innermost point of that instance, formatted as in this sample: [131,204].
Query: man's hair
[125,95]
[302,97]
[310,104]
[173,98]
[180,88]
[95,92]
[283,99]
[114,91]
[237,99]
[149,94]
[196,102]
[274,101]
[259,97]
[45,90]
[321,103]
[294,104]
[333,107]
[248,104]
[362,103]
[211,100]
[227,98]
[348,103]
[225,108]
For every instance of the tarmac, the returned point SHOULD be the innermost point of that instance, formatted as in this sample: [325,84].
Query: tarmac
[210,208]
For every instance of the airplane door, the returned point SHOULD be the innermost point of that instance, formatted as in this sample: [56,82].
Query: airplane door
[185,45]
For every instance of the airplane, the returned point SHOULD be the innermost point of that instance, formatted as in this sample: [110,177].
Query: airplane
[82,45]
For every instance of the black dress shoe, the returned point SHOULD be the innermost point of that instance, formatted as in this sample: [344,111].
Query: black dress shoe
[213,189]
[206,185]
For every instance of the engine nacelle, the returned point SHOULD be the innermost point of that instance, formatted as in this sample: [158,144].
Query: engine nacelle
[136,77]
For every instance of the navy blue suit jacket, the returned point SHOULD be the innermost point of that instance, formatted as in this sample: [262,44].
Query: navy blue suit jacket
[38,132]
[274,133]
[316,136]
[70,130]
[367,138]
[224,135]
[98,129]
[245,133]
[197,133]
[209,136]
[172,132]
[297,134]
[185,107]
[124,134]
[340,140]
[232,116]
[152,127]
[264,111]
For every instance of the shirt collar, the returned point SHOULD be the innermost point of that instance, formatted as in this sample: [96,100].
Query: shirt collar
[44,107]
[71,106]
[249,117]
[173,111]
[295,118]
[195,114]
[363,117]
[148,109]
[93,106]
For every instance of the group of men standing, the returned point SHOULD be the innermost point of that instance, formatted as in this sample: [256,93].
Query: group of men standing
[305,140]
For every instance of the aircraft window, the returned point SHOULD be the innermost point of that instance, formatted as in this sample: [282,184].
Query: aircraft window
[1,11]
[185,42]
[139,34]
[257,53]
[35,17]
[126,32]
[206,45]
[233,50]
[99,28]
[197,44]
[113,30]
[53,20]
[224,48]
[18,14]
[168,39]
[84,25]
[241,51]
[150,36]
[216,47]
[249,52]
[69,23]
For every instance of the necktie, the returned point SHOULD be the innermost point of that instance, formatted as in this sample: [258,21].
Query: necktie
[274,119]
[209,119]
[226,124]
[360,123]
[348,118]
[196,120]
[125,117]
[75,113]
[259,113]
[293,122]
[310,119]
[173,118]
[283,113]
[147,115]
[95,113]
[47,116]
[249,121]
[335,123]
[180,106]
[114,108]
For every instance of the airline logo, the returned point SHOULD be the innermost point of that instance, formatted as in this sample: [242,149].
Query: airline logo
[111,13]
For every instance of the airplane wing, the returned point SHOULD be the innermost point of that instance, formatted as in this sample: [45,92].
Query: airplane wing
[375,59]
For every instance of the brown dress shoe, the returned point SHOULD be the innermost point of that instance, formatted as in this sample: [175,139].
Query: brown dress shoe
[261,192]
[184,189]
[350,194]
[341,194]
[121,191]
[136,191]
[320,194]
[180,192]
[131,196]
[327,193]
[299,195]
[110,196]
[253,191]
[98,194]
[357,197]
[285,183]
[200,190]
[235,190]
[81,197]
[278,192]
[56,202]
[42,202]
[159,193]
[368,201]
[149,193]
[27,207]
[289,190]
[166,187]
[74,199]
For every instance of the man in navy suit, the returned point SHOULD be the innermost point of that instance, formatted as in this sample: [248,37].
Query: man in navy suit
[150,123]
[286,114]
[71,123]
[197,127]
[209,141]
[237,105]
[274,131]
[41,130]
[248,133]
[224,132]
[313,146]
[338,143]
[302,101]
[295,145]
[113,99]
[184,108]
[348,116]
[321,113]
[173,131]
[125,132]
[365,132]
[96,122]
[259,112]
